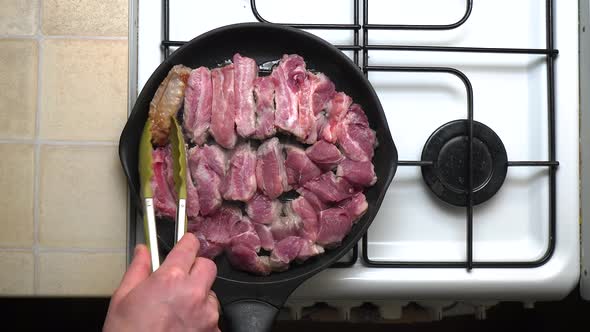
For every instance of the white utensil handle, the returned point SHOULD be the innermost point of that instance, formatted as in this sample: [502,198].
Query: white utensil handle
[181,219]
[152,234]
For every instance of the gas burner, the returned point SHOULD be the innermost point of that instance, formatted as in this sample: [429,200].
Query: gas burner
[447,148]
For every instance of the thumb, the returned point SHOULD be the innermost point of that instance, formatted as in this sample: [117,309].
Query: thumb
[138,271]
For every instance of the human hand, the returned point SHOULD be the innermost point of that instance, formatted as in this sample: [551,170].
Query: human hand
[176,297]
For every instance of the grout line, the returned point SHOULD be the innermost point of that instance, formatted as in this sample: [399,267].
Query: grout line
[82,250]
[27,249]
[18,140]
[37,153]
[55,142]
[81,143]
[40,36]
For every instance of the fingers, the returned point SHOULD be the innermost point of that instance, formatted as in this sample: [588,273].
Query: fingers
[213,309]
[138,271]
[213,300]
[204,272]
[182,255]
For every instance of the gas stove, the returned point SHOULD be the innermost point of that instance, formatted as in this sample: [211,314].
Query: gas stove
[501,75]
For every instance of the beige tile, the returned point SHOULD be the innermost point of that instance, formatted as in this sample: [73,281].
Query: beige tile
[84,89]
[16,204]
[18,88]
[89,274]
[18,17]
[16,273]
[82,197]
[85,17]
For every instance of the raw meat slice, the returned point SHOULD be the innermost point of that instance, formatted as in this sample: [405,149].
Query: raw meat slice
[308,216]
[285,251]
[262,209]
[223,107]
[215,158]
[321,91]
[309,249]
[356,139]
[317,204]
[329,188]
[335,223]
[267,242]
[360,173]
[271,176]
[264,93]
[355,206]
[300,169]
[246,259]
[162,183]
[206,248]
[243,233]
[218,227]
[166,103]
[207,168]
[324,154]
[305,116]
[337,109]
[197,105]
[289,224]
[245,72]
[240,181]
[288,77]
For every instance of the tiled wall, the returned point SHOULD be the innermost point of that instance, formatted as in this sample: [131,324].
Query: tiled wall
[63,92]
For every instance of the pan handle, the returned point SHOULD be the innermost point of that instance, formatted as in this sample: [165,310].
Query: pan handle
[250,316]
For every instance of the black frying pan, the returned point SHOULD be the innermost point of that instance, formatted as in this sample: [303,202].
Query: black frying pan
[251,302]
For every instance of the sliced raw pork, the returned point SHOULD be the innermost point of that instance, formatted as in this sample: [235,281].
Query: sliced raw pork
[219,227]
[300,169]
[315,96]
[355,206]
[223,107]
[309,249]
[207,166]
[197,105]
[356,139]
[288,77]
[289,224]
[245,72]
[206,249]
[271,176]
[325,155]
[240,181]
[335,223]
[316,203]
[243,233]
[309,218]
[264,93]
[162,183]
[267,241]
[360,173]
[329,188]
[337,109]
[262,209]
[284,252]
[243,258]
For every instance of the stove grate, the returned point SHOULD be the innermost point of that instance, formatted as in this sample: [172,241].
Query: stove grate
[363,48]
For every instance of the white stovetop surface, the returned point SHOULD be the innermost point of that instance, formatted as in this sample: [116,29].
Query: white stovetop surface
[509,97]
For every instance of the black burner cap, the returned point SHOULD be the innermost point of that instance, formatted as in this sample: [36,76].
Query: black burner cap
[447,149]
